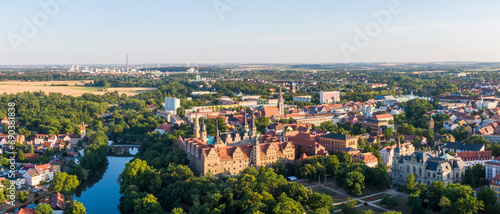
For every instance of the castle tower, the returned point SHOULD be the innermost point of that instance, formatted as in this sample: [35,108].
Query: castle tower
[253,132]
[196,127]
[281,103]
[430,126]
[83,132]
[294,88]
[203,131]
[255,154]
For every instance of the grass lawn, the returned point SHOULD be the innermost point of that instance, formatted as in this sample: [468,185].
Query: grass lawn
[335,197]
[369,190]
[402,207]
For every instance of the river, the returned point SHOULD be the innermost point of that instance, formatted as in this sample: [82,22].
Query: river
[100,192]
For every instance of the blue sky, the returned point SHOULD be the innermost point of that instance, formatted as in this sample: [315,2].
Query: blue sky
[250,31]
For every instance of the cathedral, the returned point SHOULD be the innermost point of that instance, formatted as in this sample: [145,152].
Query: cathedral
[231,152]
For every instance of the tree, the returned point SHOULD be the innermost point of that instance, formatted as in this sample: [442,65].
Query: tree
[345,158]
[462,199]
[349,206]
[178,210]
[406,128]
[410,183]
[488,196]
[76,208]
[381,177]
[181,112]
[415,204]
[444,203]
[63,182]
[147,205]
[44,209]
[435,191]
[21,156]
[23,196]
[140,174]
[332,164]
[354,183]
[31,149]
[367,212]
[388,133]
[308,171]
[287,205]
[262,123]
[390,201]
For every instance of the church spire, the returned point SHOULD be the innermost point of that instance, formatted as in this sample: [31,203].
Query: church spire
[203,131]
[245,122]
[217,140]
[253,133]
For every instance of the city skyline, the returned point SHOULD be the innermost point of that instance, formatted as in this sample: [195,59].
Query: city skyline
[247,32]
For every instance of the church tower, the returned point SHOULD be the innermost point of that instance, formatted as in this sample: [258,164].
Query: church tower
[203,131]
[196,127]
[430,126]
[281,103]
[83,133]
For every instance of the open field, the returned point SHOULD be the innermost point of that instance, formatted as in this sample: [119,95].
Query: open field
[73,88]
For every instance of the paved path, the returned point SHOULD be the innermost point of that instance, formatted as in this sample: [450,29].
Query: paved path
[372,203]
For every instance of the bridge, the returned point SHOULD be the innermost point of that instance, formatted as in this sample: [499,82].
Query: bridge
[121,150]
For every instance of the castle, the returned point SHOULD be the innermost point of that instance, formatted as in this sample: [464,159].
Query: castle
[231,152]
[427,167]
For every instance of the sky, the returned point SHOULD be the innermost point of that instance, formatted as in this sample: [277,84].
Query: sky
[247,31]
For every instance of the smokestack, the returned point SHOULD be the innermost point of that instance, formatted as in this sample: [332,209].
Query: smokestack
[127,65]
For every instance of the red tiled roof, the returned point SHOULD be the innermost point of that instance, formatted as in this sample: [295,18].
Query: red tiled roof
[166,127]
[57,201]
[271,111]
[26,211]
[474,156]
[382,116]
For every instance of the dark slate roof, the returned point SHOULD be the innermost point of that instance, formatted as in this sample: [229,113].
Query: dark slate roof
[463,146]
[431,165]
[349,149]
[338,136]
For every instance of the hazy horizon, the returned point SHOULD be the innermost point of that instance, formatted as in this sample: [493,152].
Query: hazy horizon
[247,32]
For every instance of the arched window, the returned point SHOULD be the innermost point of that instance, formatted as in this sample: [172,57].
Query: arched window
[420,171]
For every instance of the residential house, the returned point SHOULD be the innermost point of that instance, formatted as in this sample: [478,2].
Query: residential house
[387,153]
[495,186]
[473,158]
[57,202]
[39,173]
[164,128]
[492,168]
